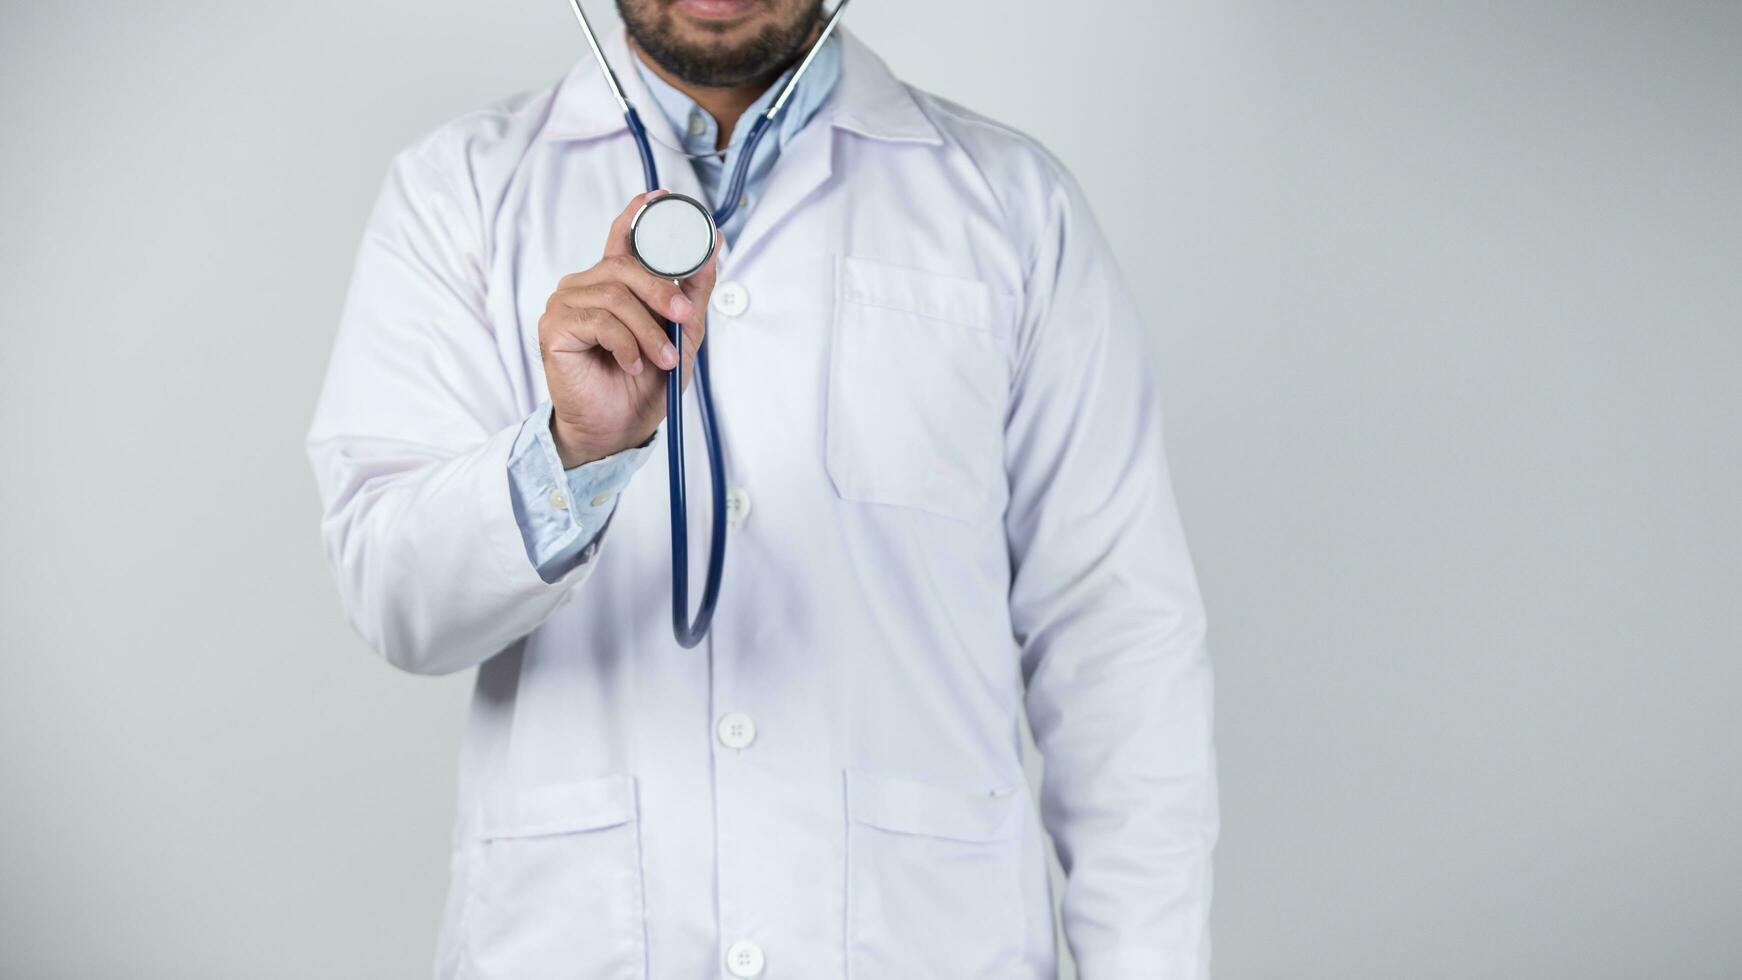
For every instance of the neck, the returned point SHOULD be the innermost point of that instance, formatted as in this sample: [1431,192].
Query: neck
[725,103]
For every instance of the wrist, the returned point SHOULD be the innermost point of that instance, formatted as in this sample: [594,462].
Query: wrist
[575,446]
[578,445]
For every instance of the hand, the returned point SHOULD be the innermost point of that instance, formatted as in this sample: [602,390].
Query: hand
[606,350]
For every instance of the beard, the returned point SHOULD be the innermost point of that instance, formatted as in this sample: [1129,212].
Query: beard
[757,59]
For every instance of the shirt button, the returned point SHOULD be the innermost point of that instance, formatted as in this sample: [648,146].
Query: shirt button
[737,506]
[696,124]
[736,730]
[744,959]
[731,298]
[601,500]
[557,500]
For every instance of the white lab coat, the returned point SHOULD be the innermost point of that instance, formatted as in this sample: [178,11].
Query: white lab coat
[939,410]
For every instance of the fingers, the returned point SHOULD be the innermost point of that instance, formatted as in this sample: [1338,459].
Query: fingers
[616,337]
[662,296]
[700,285]
[699,288]
[622,302]
[693,333]
[568,329]
[620,306]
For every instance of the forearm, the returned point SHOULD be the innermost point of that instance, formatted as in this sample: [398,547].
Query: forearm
[1130,797]
[1120,699]
[430,561]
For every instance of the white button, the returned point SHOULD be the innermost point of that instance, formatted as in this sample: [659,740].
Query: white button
[557,500]
[696,124]
[744,959]
[601,500]
[731,298]
[737,506]
[736,730]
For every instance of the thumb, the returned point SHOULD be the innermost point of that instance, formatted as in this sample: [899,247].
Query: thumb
[699,287]
[700,284]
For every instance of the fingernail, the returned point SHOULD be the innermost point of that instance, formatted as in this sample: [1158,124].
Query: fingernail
[680,308]
[668,355]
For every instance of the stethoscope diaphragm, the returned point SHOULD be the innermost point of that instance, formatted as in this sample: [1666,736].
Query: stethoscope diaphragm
[672,236]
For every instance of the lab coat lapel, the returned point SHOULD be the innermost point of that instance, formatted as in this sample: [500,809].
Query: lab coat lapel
[867,101]
[583,108]
[804,164]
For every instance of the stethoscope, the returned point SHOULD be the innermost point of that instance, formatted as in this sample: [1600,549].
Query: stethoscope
[672,237]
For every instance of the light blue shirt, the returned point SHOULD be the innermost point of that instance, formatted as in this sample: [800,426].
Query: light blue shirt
[562,512]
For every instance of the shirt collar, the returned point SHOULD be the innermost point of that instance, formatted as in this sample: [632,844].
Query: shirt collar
[812,90]
[866,99]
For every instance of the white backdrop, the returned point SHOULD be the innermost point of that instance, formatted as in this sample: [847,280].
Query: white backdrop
[1446,300]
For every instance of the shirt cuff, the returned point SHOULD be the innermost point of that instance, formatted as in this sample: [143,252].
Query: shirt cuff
[562,513]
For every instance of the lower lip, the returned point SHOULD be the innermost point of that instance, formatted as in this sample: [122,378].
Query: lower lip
[717,9]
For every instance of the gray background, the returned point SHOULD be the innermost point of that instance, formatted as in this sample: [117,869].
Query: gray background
[1446,298]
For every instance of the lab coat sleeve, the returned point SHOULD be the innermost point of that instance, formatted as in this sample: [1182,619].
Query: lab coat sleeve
[561,512]
[1107,611]
[413,433]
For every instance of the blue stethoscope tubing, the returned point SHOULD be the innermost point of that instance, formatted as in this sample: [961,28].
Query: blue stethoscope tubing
[689,632]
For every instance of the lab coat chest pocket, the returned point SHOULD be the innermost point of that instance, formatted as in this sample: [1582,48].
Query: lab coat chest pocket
[933,880]
[918,383]
[556,885]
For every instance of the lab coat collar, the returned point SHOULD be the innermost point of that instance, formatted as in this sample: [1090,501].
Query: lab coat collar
[868,99]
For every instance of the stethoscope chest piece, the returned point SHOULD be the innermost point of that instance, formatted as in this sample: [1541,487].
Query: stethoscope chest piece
[672,236]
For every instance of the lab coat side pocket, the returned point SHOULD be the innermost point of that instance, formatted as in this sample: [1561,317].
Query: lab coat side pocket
[934,882]
[556,886]
[918,385]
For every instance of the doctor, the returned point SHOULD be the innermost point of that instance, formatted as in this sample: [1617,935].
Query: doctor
[948,503]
